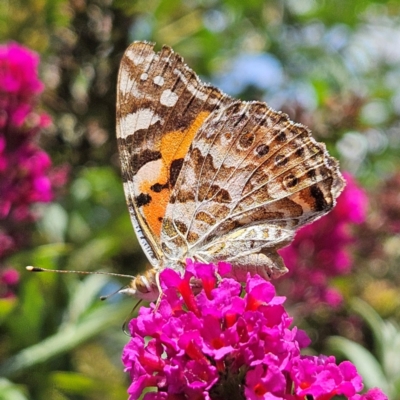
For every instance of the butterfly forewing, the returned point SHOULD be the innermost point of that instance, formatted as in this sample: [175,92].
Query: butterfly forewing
[161,104]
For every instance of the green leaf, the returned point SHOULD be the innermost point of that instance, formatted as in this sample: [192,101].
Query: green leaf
[6,307]
[44,256]
[71,333]
[10,391]
[83,297]
[92,253]
[54,222]
[77,384]
[373,320]
[386,336]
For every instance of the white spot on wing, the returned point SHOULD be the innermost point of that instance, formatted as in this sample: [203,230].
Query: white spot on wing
[127,85]
[144,76]
[149,172]
[168,98]
[138,59]
[158,80]
[141,119]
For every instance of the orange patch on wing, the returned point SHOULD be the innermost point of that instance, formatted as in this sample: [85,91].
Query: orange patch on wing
[155,210]
[174,146]
[169,149]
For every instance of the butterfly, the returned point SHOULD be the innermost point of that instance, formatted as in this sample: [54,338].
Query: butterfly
[209,177]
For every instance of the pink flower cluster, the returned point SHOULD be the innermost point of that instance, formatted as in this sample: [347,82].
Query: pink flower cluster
[320,251]
[24,167]
[222,343]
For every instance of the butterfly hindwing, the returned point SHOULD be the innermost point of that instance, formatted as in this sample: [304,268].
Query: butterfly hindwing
[251,178]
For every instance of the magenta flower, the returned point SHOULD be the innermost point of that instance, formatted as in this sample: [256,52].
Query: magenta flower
[9,279]
[25,175]
[226,342]
[321,251]
[372,394]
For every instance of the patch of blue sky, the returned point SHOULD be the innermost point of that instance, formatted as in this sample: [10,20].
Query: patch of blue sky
[293,93]
[261,70]
[264,72]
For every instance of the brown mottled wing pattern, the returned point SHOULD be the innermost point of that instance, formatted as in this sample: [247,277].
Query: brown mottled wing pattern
[161,104]
[251,178]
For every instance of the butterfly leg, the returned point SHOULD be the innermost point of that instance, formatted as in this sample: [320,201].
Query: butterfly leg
[160,291]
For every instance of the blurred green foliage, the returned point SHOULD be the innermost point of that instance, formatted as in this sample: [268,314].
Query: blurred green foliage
[33,22]
[339,74]
[382,370]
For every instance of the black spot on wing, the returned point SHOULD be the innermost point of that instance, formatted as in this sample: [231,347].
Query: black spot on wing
[300,152]
[174,171]
[320,203]
[281,137]
[142,199]
[157,187]
[262,149]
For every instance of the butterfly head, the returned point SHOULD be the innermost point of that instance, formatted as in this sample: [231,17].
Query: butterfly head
[143,287]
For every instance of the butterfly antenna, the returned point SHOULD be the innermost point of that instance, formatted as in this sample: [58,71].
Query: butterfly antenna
[107,296]
[61,271]
[128,318]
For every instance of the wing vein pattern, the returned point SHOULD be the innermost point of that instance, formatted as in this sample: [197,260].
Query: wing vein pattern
[210,177]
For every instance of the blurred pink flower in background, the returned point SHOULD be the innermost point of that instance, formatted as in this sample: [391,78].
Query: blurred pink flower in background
[321,251]
[24,167]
